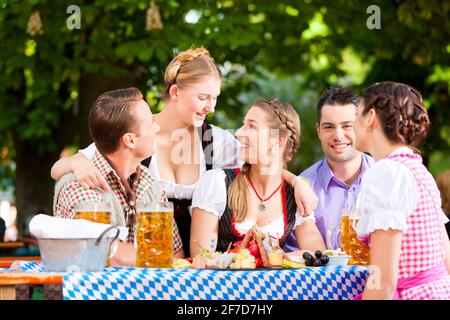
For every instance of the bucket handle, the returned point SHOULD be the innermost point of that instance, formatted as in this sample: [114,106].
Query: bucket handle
[97,242]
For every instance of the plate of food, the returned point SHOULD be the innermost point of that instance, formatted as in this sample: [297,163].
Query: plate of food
[318,258]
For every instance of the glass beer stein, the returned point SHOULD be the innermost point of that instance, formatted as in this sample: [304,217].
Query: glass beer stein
[345,229]
[94,211]
[359,251]
[154,235]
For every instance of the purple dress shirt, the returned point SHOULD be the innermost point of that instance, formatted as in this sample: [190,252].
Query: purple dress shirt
[333,195]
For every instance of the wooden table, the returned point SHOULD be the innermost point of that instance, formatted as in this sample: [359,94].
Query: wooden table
[12,245]
[14,284]
[5,262]
[21,285]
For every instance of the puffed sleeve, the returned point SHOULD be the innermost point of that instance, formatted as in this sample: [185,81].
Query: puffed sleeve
[211,193]
[89,152]
[299,219]
[225,149]
[388,195]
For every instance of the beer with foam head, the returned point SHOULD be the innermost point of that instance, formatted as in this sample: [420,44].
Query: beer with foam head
[154,235]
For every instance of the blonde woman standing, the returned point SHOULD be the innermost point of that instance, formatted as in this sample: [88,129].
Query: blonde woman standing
[186,146]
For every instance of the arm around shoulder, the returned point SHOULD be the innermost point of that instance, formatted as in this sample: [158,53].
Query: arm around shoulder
[65,165]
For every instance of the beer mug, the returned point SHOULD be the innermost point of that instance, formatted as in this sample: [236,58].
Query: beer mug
[94,211]
[359,251]
[345,229]
[154,235]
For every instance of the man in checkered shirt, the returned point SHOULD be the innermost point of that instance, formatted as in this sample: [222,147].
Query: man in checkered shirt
[122,127]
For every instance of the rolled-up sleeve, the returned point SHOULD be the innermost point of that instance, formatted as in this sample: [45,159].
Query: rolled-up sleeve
[299,219]
[89,152]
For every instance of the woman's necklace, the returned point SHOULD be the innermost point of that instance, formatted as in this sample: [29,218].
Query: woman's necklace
[262,205]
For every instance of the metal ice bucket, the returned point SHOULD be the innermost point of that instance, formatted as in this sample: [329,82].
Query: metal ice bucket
[72,255]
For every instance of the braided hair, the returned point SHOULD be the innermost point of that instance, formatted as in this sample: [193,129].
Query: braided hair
[401,112]
[189,67]
[286,120]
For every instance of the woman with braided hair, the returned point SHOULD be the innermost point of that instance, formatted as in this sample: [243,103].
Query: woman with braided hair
[186,146]
[399,204]
[229,202]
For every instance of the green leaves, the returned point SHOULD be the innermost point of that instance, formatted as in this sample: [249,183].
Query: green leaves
[291,49]
[143,50]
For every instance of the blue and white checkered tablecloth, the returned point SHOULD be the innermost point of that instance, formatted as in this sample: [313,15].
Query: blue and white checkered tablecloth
[120,283]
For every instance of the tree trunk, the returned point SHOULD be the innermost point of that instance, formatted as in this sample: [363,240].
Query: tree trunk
[34,187]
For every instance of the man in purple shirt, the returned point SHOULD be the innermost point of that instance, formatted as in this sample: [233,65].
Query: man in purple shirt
[335,179]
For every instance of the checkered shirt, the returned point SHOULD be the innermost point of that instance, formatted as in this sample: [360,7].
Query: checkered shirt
[72,193]
[422,242]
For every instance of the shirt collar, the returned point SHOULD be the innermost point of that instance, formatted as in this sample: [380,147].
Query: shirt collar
[102,165]
[327,175]
[106,170]
[367,161]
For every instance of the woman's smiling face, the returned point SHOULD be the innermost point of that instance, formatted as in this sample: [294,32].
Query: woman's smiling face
[195,101]
[256,137]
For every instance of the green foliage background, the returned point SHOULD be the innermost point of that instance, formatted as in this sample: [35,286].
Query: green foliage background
[289,49]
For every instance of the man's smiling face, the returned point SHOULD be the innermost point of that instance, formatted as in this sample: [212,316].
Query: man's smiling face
[335,132]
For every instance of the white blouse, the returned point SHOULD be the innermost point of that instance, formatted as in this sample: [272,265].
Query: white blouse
[211,196]
[225,151]
[388,195]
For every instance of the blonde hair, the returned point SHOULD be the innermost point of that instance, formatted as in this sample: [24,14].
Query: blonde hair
[189,67]
[283,117]
[443,183]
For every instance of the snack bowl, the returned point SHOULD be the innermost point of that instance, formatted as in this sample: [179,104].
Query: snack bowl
[297,259]
[340,260]
[335,258]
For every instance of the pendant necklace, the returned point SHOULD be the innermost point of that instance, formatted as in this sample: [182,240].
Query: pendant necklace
[262,204]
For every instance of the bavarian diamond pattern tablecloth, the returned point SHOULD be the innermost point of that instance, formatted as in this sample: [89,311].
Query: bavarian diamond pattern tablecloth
[27,266]
[120,283]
